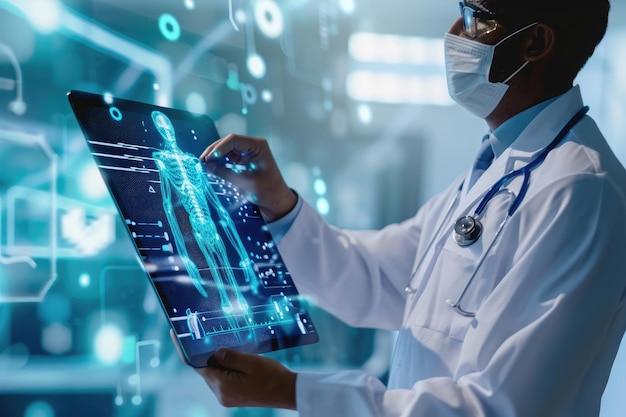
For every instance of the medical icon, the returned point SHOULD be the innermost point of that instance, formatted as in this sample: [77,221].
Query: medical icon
[195,327]
[169,27]
[88,236]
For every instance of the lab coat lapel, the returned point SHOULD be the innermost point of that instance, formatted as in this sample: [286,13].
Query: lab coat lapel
[471,198]
[537,135]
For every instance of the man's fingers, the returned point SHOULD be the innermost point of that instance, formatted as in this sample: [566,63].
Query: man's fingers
[232,359]
[239,145]
[210,151]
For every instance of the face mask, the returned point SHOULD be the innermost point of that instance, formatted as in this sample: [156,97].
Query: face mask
[468,64]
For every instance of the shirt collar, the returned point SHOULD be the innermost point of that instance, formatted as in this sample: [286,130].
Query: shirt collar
[507,132]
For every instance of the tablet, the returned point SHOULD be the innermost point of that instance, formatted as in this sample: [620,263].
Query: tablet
[206,249]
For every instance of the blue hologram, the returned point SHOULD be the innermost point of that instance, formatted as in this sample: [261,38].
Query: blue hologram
[181,173]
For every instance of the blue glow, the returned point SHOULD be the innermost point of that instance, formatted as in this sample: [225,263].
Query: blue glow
[256,66]
[233,80]
[319,185]
[44,15]
[169,27]
[347,6]
[109,344]
[240,16]
[364,113]
[55,308]
[116,114]
[269,18]
[267,96]
[91,183]
[195,103]
[322,205]
[129,345]
[39,409]
[196,411]
[56,338]
[108,98]
[84,280]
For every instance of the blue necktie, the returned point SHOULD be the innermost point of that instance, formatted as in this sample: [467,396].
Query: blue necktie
[482,162]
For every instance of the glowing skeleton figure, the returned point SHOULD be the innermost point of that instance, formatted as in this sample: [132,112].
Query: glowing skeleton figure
[183,173]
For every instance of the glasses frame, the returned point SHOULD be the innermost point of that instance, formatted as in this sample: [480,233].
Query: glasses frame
[469,16]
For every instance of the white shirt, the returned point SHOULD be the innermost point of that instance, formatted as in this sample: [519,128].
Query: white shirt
[549,298]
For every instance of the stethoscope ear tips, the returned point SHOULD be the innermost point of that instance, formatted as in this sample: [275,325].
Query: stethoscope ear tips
[467,230]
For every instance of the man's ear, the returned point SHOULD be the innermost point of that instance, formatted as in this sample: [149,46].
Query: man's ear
[540,43]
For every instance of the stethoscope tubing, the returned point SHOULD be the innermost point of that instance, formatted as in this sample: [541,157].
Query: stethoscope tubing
[408,289]
[525,170]
[492,192]
[457,304]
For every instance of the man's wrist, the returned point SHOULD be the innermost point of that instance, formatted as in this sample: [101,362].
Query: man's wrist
[282,206]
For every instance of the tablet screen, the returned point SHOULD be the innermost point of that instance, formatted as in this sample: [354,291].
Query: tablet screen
[209,255]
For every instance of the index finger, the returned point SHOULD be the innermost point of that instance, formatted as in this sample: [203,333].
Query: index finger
[239,145]
[209,152]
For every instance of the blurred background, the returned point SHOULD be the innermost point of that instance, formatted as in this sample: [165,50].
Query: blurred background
[351,95]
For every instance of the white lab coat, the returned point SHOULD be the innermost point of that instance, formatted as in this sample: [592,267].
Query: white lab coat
[549,299]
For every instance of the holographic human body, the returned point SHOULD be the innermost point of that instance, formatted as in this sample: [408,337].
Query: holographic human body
[193,322]
[182,173]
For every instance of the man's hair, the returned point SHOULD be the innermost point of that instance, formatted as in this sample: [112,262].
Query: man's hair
[579,26]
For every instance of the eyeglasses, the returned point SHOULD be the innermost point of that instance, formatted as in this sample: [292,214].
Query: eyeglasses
[477,22]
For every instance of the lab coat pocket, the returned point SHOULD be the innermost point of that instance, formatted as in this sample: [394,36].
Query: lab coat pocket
[450,274]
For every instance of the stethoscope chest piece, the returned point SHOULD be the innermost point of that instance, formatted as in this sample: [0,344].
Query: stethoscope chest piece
[467,230]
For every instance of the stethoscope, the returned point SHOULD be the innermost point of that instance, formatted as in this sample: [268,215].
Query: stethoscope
[468,229]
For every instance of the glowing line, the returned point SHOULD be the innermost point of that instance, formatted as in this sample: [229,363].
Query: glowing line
[125,157]
[119,145]
[104,39]
[18,259]
[131,169]
[7,84]
[40,141]
[103,275]
[16,66]
[157,345]
[199,51]
[230,15]
[158,64]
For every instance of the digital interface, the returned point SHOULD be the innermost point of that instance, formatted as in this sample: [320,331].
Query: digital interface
[206,248]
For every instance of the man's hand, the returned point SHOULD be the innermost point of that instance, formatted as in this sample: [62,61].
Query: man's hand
[248,380]
[252,168]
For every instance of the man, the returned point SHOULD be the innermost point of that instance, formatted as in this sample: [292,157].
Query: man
[526,320]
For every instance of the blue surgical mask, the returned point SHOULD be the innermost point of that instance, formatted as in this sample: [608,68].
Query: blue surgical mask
[468,64]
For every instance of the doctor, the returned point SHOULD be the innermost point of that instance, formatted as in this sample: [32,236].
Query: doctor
[520,318]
